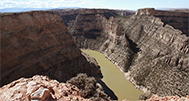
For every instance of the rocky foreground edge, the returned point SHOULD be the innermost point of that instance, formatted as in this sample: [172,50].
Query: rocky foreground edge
[44,89]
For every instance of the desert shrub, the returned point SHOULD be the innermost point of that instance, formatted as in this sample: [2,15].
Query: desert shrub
[145,96]
[86,84]
[88,87]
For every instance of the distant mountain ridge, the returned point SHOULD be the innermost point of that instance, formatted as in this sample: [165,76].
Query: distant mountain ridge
[11,10]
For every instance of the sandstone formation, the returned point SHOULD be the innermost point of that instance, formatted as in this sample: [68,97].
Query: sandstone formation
[162,64]
[168,98]
[178,20]
[41,88]
[39,43]
[152,54]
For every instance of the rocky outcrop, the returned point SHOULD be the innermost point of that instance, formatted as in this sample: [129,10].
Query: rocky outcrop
[42,88]
[168,98]
[152,54]
[39,43]
[178,20]
[39,88]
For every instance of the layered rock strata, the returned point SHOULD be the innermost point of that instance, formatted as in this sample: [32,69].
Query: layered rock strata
[39,43]
[68,15]
[94,31]
[153,52]
[178,20]
[162,64]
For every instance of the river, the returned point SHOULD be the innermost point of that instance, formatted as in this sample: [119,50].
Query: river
[114,78]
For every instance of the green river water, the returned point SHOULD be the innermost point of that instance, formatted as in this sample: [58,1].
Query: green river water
[114,78]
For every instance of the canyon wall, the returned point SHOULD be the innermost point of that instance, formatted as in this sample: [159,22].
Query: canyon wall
[68,15]
[39,43]
[178,20]
[151,53]
[94,31]
[162,64]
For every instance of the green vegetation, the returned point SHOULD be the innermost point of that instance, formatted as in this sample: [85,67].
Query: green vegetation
[89,87]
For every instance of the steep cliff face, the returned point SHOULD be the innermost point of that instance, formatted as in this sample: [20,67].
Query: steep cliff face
[94,31]
[39,43]
[69,15]
[178,20]
[153,52]
[162,63]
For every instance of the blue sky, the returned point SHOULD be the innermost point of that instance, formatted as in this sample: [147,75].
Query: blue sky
[110,4]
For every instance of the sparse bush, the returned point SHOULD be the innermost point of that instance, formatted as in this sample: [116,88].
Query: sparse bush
[145,96]
[88,87]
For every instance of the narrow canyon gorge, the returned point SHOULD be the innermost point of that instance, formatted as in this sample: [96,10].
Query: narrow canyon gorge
[150,47]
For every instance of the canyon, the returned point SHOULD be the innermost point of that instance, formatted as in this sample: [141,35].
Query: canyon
[151,53]
[151,47]
[114,79]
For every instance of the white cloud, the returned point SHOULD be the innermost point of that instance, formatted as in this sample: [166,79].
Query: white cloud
[170,2]
[48,3]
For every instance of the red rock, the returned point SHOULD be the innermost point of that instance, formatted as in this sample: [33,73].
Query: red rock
[39,88]
[167,98]
[39,43]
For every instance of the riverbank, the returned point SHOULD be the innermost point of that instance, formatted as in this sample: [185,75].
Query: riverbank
[114,78]
[128,77]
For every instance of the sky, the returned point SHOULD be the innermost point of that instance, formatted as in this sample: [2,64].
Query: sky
[110,4]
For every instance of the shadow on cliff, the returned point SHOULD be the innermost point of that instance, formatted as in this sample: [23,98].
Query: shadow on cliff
[132,45]
[107,90]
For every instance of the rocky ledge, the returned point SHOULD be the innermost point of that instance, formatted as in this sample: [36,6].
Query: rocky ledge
[168,98]
[44,89]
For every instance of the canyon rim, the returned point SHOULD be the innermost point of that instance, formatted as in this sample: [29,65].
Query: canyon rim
[151,47]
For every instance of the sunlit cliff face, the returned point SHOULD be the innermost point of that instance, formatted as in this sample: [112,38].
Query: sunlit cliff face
[148,48]
[39,43]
